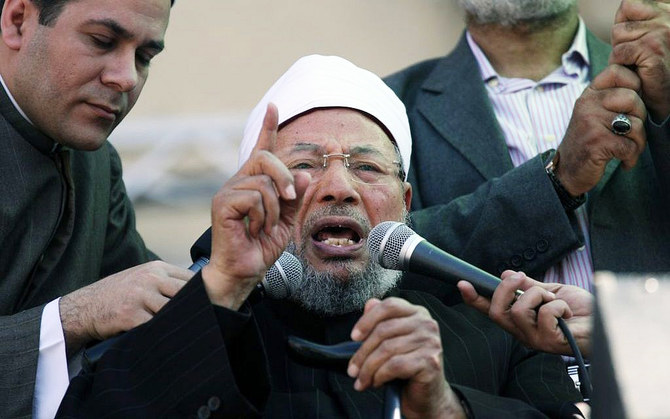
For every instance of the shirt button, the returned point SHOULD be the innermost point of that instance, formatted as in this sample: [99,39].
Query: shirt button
[581,248]
[493,82]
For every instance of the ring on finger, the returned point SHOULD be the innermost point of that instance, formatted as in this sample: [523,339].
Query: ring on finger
[621,124]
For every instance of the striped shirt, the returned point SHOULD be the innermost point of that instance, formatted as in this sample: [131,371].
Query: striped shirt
[533,117]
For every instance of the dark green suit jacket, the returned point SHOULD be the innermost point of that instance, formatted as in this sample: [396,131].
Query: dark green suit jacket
[65,222]
[471,201]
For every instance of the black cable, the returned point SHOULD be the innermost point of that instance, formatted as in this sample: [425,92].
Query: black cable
[585,386]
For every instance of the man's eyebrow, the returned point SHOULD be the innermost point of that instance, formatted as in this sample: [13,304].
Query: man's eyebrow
[306,147]
[124,33]
[364,149]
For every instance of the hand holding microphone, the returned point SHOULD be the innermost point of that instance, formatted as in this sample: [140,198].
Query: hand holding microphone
[395,246]
[534,319]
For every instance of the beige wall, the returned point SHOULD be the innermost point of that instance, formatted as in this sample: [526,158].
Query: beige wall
[222,55]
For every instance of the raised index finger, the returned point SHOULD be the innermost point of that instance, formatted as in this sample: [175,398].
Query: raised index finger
[268,135]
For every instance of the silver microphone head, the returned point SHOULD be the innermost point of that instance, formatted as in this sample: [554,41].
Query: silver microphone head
[283,277]
[391,243]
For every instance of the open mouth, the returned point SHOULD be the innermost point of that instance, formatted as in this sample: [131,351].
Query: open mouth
[337,236]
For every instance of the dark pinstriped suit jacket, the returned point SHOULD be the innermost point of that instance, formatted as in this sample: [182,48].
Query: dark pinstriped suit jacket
[192,353]
[471,201]
[65,222]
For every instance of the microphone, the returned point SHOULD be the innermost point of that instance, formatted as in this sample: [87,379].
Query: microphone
[201,250]
[281,279]
[395,246]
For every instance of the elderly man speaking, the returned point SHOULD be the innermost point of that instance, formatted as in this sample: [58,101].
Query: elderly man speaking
[323,161]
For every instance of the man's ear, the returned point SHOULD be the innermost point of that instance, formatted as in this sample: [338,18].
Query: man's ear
[408,195]
[15,15]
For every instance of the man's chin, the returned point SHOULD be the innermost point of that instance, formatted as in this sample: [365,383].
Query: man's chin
[89,141]
[340,268]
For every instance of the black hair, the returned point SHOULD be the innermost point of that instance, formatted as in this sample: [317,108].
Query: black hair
[51,9]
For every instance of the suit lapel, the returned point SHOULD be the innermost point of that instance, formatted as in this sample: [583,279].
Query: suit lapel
[454,101]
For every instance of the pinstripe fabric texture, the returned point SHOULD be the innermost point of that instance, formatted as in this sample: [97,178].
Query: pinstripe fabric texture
[174,365]
[533,117]
[65,222]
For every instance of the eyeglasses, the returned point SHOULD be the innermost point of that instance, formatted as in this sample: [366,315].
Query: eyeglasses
[365,169]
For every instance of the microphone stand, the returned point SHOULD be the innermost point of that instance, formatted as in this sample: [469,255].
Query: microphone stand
[343,352]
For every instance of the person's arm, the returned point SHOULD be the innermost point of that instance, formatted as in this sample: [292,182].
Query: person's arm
[641,40]
[532,318]
[517,220]
[181,360]
[533,389]
[191,356]
[18,361]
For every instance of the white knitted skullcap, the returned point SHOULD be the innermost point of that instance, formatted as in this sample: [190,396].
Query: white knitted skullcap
[318,81]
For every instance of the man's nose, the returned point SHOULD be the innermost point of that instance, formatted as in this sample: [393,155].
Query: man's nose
[121,72]
[336,184]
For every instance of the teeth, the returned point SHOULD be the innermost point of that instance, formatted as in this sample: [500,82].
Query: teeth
[338,242]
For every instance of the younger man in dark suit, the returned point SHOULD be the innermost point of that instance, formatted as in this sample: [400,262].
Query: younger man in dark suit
[70,72]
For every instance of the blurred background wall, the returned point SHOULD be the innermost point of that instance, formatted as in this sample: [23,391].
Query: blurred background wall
[179,144]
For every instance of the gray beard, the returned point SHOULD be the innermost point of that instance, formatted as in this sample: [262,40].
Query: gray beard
[513,12]
[325,294]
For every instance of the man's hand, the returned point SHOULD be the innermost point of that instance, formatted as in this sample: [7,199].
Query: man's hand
[252,220]
[533,317]
[119,302]
[589,143]
[402,342]
[641,41]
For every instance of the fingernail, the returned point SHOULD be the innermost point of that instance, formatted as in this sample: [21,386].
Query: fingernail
[352,370]
[290,192]
[357,385]
[356,334]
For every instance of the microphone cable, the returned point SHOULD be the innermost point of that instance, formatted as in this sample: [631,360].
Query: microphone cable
[585,386]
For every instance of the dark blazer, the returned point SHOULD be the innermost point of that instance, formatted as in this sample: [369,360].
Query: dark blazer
[471,201]
[197,359]
[65,222]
